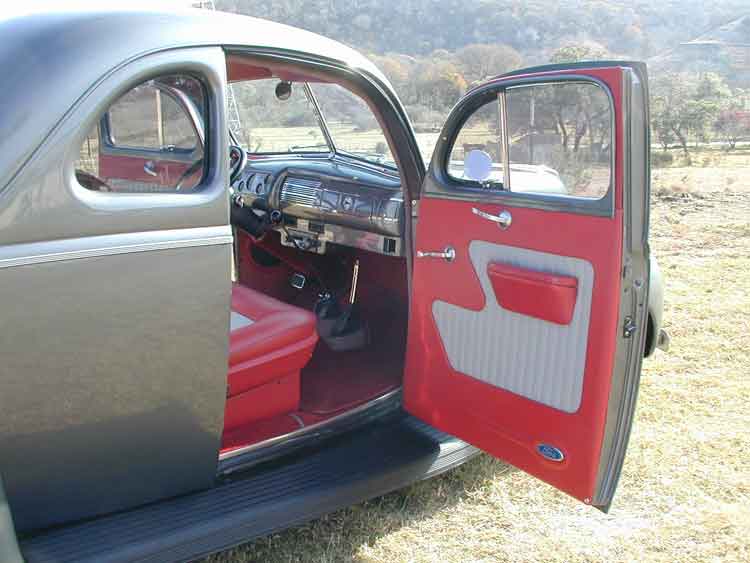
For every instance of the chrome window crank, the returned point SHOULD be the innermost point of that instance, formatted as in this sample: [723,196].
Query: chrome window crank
[503,220]
[150,168]
[449,254]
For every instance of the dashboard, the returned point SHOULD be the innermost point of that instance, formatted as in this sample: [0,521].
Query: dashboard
[327,201]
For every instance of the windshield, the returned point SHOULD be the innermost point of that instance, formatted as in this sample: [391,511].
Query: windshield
[352,125]
[263,123]
[273,120]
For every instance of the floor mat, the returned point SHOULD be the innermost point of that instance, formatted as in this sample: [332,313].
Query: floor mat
[336,381]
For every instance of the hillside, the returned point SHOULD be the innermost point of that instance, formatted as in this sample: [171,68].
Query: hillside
[698,51]
[637,29]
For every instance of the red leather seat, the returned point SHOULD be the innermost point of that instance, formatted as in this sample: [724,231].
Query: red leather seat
[269,343]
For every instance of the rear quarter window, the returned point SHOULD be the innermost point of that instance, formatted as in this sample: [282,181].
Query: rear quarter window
[150,140]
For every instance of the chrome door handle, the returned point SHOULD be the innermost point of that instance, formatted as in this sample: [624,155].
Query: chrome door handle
[449,254]
[504,219]
[150,168]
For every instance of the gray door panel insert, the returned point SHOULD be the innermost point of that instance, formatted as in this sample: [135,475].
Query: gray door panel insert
[536,359]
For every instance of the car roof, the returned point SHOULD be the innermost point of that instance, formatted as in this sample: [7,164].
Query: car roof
[52,53]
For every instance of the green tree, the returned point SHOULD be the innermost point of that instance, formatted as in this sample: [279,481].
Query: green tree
[685,105]
[732,123]
[574,53]
[439,84]
[481,61]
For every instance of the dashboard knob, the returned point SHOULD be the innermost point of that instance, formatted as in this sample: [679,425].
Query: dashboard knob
[347,203]
[276,216]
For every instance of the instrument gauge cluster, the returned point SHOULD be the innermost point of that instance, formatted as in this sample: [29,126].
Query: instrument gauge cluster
[253,185]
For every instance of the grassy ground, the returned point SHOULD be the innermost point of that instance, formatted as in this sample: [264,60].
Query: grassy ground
[685,491]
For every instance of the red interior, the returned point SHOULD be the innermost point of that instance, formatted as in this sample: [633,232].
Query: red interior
[506,425]
[132,167]
[536,294]
[279,378]
[240,68]
[265,358]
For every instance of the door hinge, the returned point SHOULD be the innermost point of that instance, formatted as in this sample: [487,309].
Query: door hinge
[629,327]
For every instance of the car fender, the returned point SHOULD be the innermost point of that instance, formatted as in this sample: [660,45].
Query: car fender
[656,337]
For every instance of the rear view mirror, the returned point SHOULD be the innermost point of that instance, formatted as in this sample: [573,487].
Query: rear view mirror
[283,90]
[477,165]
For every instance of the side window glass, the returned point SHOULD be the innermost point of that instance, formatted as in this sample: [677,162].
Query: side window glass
[148,141]
[559,139]
[479,134]
[557,136]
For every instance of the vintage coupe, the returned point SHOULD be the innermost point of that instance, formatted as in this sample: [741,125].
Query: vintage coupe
[234,299]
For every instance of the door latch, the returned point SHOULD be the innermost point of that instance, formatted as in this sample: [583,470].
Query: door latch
[629,327]
[449,254]
[503,219]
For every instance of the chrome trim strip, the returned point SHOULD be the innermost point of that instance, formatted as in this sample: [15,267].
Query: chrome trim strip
[306,429]
[25,254]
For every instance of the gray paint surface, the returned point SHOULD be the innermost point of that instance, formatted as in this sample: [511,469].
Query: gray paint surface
[536,359]
[112,380]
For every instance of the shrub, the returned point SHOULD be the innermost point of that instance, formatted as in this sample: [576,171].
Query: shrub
[661,159]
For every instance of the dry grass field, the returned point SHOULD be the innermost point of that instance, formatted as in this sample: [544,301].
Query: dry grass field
[685,491]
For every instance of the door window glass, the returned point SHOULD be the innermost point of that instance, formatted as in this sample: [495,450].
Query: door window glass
[558,138]
[148,141]
[480,132]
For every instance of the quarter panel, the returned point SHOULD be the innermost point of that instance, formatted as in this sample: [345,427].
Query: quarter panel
[110,389]
[115,320]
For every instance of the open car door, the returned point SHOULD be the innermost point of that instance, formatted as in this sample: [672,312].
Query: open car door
[530,281]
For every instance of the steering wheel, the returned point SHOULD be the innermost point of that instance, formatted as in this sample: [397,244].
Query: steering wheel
[91,181]
[197,165]
[237,162]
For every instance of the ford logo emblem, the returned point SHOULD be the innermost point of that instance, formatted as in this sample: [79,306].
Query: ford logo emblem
[550,452]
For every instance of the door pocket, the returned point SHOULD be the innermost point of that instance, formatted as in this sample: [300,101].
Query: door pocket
[541,295]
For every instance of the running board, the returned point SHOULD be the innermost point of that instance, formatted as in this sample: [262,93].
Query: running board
[352,468]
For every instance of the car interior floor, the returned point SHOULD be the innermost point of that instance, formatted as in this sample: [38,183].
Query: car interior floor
[333,381]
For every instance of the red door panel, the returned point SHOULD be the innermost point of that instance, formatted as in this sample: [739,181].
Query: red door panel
[500,422]
[135,168]
[512,344]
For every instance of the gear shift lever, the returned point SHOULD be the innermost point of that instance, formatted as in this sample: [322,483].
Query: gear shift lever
[345,329]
